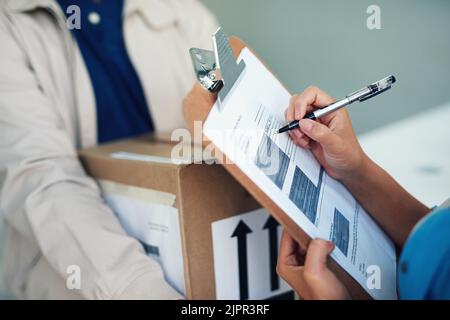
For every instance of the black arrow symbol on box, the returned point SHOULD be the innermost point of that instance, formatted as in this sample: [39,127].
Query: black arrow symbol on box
[241,232]
[272,226]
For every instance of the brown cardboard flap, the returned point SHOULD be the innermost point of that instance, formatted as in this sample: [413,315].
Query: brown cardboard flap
[198,211]
[199,198]
[197,106]
[139,145]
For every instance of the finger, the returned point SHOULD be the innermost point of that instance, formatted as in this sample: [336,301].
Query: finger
[294,276]
[315,97]
[341,115]
[298,137]
[302,142]
[289,113]
[319,132]
[297,133]
[318,152]
[322,282]
[316,257]
[296,280]
[288,246]
[311,97]
[292,136]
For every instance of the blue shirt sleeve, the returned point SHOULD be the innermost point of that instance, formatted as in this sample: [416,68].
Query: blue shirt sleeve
[424,266]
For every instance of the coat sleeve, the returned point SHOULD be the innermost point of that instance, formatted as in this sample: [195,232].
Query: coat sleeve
[47,196]
[198,23]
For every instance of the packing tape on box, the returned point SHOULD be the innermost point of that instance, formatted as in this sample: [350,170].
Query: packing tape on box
[149,195]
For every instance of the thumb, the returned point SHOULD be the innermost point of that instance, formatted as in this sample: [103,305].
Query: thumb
[319,132]
[316,256]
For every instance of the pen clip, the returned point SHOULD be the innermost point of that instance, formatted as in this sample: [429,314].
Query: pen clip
[379,87]
[359,94]
[373,94]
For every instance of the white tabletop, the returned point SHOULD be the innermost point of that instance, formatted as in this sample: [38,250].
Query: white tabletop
[416,152]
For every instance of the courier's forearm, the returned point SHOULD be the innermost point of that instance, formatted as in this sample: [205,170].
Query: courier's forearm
[395,210]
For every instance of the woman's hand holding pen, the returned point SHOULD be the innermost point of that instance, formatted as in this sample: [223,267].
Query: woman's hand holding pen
[333,142]
[331,138]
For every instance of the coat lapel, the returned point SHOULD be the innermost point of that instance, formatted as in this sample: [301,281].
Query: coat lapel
[157,14]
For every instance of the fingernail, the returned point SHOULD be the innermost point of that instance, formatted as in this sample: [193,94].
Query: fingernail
[306,124]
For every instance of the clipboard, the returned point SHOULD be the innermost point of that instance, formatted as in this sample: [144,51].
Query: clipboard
[196,107]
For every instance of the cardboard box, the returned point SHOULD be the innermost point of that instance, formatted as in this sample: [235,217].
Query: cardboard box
[203,194]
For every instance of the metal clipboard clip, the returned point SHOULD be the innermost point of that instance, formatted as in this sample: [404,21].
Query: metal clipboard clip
[217,71]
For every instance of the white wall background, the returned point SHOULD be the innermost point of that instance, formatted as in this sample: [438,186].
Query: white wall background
[327,43]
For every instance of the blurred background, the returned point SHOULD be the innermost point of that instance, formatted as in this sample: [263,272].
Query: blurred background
[327,43]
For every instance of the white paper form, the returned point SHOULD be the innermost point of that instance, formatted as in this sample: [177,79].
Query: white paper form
[245,130]
[149,216]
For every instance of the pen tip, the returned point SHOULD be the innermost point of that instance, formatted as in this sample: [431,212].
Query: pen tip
[284,129]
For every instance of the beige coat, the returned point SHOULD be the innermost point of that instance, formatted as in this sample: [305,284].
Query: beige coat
[54,214]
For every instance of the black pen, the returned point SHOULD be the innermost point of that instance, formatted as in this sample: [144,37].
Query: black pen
[360,95]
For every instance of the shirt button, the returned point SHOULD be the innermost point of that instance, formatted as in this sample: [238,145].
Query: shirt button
[94,18]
